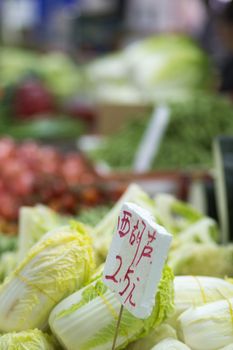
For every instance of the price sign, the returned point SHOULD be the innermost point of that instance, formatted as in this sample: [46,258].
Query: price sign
[136,258]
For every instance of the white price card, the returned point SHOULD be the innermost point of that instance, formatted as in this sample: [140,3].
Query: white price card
[136,258]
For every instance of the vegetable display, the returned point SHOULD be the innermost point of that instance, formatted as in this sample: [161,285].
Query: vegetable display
[173,67]
[35,90]
[60,263]
[167,61]
[30,174]
[51,284]
[38,86]
[52,295]
[171,344]
[176,215]
[187,142]
[93,216]
[59,128]
[192,291]
[28,340]
[97,302]
[34,222]
[209,325]
[207,258]
[56,70]
[153,337]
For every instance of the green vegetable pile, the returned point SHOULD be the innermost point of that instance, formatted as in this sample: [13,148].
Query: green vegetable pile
[160,67]
[187,143]
[54,297]
[26,340]
[56,70]
[61,128]
[173,66]
[92,216]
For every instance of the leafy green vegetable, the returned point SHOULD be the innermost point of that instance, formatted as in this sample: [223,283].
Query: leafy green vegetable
[59,264]
[34,222]
[28,340]
[188,139]
[170,344]
[202,259]
[156,68]
[203,231]
[170,62]
[60,74]
[208,326]
[174,214]
[87,319]
[52,129]
[15,63]
[92,216]
[192,128]
[154,336]
[192,291]
[118,150]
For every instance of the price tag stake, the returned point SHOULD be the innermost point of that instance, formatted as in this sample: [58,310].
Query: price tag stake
[117,327]
[135,262]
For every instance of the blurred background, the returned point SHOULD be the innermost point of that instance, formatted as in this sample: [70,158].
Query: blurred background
[96,94]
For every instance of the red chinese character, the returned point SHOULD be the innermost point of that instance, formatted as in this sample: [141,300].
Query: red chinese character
[140,233]
[126,278]
[129,297]
[151,236]
[147,251]
[133,236]
[113,277]
[139,239]
[124,225]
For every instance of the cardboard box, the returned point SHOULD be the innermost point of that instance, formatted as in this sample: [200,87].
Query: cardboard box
[111,117]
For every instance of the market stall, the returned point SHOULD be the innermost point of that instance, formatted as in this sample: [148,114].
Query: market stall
[116,207]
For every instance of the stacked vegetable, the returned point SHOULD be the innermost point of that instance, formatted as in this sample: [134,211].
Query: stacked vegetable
[157,68]
[57,286]
[202,319]
[36,90]
[56,70]
[38,86]
[173,66]
[187,143]
[31,339]
[51,266]
[31,173]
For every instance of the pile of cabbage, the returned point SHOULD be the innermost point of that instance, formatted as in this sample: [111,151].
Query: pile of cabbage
[156,68]
[54,297]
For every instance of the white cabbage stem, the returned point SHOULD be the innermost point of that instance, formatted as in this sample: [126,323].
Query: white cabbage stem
[208,327]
